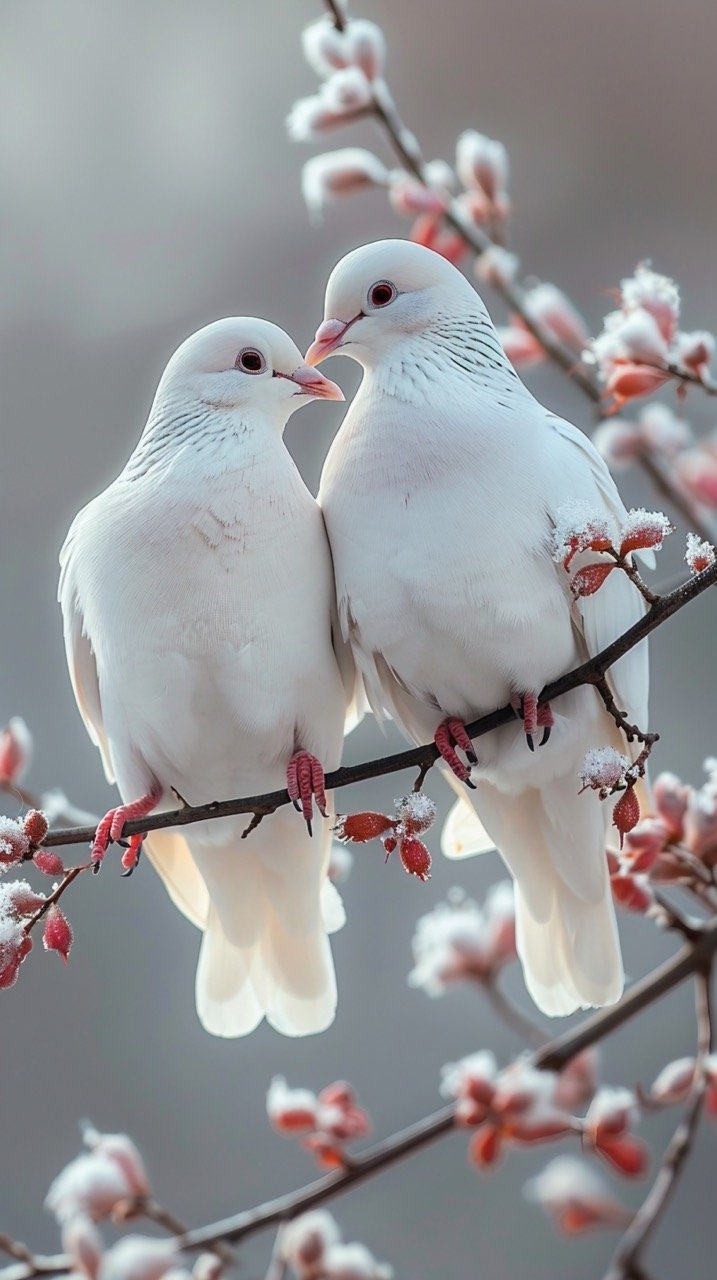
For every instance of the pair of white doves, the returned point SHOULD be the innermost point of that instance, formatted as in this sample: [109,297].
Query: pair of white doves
[213,652]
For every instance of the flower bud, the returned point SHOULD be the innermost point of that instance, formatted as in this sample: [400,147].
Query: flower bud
[674,1083]
[15,751]
[659,296]
[589,579]
[628,381]
[485,1147]
[122,1150]
[82,1240]
[700,555]
[618,441]
[14,843]
[428,230]
[482,162]
[290,1110]
[603,769]
[35,825]
[671,798]
[694,353]
[57,934]
[367,47]
[697,469]
[497,267]
[416,812]
[409,197]
[304,1241]
[340,173]
[548,305]
[347,91]
[632,892]
[360,827]
[324,47]
[626,813]
[49,862]
[575,1197]
[415,857]
[644,530]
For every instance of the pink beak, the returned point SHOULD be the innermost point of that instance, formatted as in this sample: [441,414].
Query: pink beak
[312,383]
[328,338]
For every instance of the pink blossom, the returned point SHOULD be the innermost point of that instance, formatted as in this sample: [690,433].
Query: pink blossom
[290,1110]
[14,842]
[471,1082]
[642,530]
[14,946]
[618,441]
[632,891]
[120,1148]
[644,844]
[136,1257]
[82,1241]
[629,381]
[428,230]
[674,1083]
[699,554]
[338,1114]
[578,527]
[49,862]
[324,47]
[482,162]
[18,898]
[340,173]
[409,197]
[697,469]
[91,1184]
[660,429]
[304,1242]
[694,352]
[575,1197]
[497,267]
[658,295]
[343,96]
[671,797]
[346,92]
[603,769]
[612,1113]
[460,940]
[576,1084]
[15,750]
[361,44]
[521,348]
[548,305]
[367,46]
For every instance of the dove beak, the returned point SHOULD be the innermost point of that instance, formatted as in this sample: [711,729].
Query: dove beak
[329,337]
[312,383]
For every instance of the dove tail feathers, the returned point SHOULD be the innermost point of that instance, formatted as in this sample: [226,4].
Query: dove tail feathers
[265,950]
[553,841]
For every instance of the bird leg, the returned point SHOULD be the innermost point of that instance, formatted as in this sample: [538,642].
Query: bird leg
[449,735]
[304,782]
[534,717]
[112,825]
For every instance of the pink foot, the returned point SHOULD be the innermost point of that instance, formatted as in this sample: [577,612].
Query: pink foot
[304,781]
[112,825]
[534,717]
[130,857]
[448,736]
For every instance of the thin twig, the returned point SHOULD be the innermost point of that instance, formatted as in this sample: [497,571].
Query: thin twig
[513,1017]
[590,672]
[627,1261]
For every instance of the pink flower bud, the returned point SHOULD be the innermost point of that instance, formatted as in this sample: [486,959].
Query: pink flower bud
[658,295]
[626,813]
[611,1112]
[15,944]
[644,529]
[366,46]
[139,1258]
[15,750]
[628,381]
[697,469]
[578,1081]
[627,1154]
[482,162]
[645,843]
[674,1083]
[347,91]
[49,862]
[476,206]
[410,197]
[328,1152]
[340,173]
[415,857]
[660,429]
[304,1241]
[640,339]
[119,1148]
[575,1197]
[361,827]
[82,1240]
[521,348]
[57,934]
[671,798]
[14,843]
[632,892]
[19,899]
[497,267]
[548,305]
[309,118]
[618,441]
[486,1146]
[694,352]
[589,579]
[473,1077]
[700,555]
[324,47]
[35,825]
[290,1110]
[429,231]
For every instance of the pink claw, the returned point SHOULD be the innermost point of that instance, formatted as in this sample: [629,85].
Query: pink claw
[305,782]
[534,717]
[449,735]
[112,825]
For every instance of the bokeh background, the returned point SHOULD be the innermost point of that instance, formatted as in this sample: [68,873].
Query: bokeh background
[147,188]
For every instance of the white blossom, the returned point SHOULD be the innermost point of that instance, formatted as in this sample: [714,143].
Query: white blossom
[482,162]
[340,173]
[347,91]
[459,940]
[92,1184]
[649,291]
[83,1242]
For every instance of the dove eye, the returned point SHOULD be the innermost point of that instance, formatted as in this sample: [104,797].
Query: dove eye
[250,361]
[381,293]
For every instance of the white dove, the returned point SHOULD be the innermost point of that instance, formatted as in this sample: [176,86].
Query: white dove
[440,495]
[197,594]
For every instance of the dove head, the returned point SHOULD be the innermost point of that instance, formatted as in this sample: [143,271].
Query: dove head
[385,293]
[245,365]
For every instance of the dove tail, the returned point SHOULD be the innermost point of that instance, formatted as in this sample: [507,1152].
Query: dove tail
[553,841]
[268,911]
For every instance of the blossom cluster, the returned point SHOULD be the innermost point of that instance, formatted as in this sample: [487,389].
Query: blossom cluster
[677,843]
[579,528]
[311,1245]
[324,1122]
[415,813]
[641,346]
[521,1105]
[659,431]
[460,940]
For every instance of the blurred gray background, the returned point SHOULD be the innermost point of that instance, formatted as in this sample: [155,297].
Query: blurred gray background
[148,188]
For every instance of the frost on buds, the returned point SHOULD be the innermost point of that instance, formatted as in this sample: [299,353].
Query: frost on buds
[15,751]
[414,815]
[517,1105]
[482,164]
[461,940]
[92,1184]
[548,306]
[14,842]
[57,934]
[603,769]
[578,527]
[361,44]
[122,1150]
[410,197]
[14,946]
[312,1246]
[324,1122]
[606,1128]
[674,1083]
[340,173]
[136,1257]
[498,267]
[345,95]
[575,1197]
[699,554]
[644,530]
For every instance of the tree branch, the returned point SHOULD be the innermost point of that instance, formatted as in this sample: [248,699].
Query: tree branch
[590,672]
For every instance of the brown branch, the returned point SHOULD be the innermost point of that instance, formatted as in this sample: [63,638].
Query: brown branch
[552,1057]
[590,672]
[407,148]
[627,1261]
